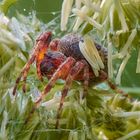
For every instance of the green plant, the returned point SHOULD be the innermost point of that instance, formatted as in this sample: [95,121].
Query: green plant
[102,114]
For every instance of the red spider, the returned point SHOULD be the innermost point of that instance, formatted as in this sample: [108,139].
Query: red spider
[62,59]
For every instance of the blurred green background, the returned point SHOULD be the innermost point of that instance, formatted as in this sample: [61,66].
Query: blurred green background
[45,9]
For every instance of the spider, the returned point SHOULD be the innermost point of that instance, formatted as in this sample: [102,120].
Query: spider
[62,59]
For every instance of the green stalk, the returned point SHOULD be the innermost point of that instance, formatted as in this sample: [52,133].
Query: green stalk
[128,43]
[111,17]
[92,62]
[91,5]
[7,66]
[3,131]
[129,135]
[130,115]
[138,63]
[110,66]
[85,17]
[5,4]
[80,20]
[121,69]
[121,15]
[90,52]
[7,49]
[78,4]
[65,12]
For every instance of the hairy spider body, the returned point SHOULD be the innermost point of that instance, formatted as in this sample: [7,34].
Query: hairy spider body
[68,46]
[62,59]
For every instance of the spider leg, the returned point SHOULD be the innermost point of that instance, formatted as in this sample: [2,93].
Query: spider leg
[73,72]
[41,46]
[24,74]
[38,62]
[39,58]
[111,84]
[115,88]
[61,72]
[54,45]
[43,41]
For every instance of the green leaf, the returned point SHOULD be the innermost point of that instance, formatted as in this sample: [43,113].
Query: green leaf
[5,4]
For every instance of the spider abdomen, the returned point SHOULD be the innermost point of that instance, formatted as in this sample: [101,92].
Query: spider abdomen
[69,46]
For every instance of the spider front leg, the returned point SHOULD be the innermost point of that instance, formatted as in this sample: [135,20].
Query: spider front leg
[73,73]
[61,72]
[53,46]
[24,74]
[40,49]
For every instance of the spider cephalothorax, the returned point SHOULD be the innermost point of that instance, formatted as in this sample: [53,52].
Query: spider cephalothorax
[62,59]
